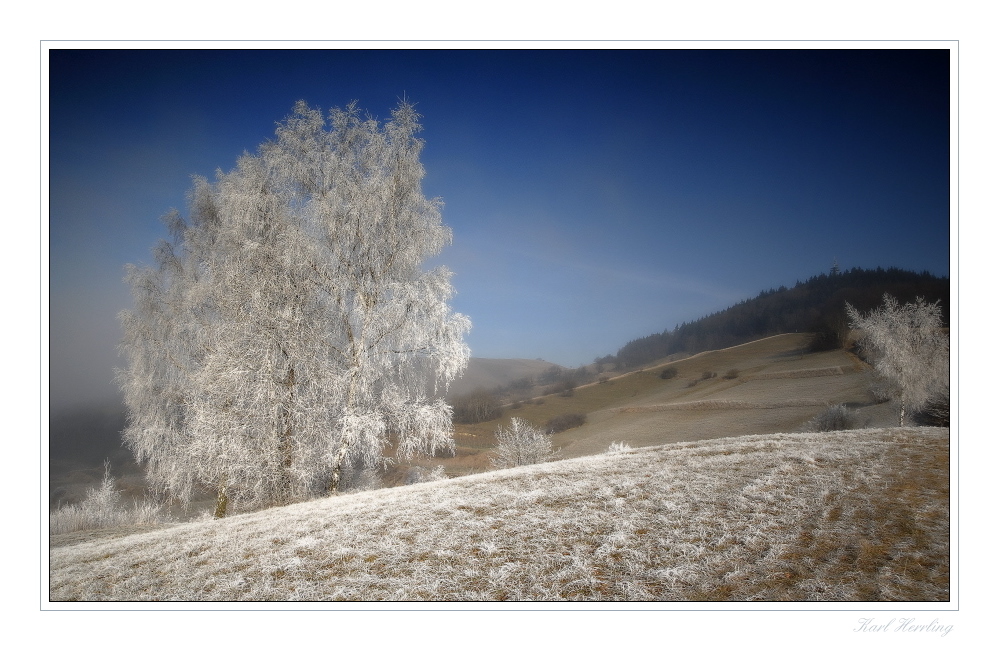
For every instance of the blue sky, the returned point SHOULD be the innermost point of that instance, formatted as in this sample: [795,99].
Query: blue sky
[595,196]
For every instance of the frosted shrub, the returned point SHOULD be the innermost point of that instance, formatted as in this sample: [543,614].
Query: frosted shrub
[419,474]
[103,509]
[616,447]
[356,479]
[837,417]
[521,445]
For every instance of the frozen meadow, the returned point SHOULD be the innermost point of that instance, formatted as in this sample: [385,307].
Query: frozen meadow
[859,515]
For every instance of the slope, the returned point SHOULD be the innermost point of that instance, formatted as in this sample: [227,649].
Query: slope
[858,515]
[778,387]
[816,305]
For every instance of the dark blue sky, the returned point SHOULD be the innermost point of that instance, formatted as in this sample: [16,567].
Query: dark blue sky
[595,196]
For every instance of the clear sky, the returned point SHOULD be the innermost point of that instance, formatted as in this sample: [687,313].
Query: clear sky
[595,196]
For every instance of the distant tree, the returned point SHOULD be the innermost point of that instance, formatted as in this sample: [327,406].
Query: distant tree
[825,336]
[515,390]
[566,387]
[287,331]
[551,375]
[522,444]
[475,407]
[606,360]
[908,349]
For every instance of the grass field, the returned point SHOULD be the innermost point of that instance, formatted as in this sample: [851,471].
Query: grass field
[710,504]
[642,409]
[839,516]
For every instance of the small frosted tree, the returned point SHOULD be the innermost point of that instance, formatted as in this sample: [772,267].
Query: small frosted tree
[522,444]
[287,331]
[908,350]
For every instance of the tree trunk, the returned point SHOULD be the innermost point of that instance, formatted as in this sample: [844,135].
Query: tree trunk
[341,454]
[336,476]
[222,503]
[286,438]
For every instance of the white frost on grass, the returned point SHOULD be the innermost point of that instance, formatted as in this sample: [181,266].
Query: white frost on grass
[859,515]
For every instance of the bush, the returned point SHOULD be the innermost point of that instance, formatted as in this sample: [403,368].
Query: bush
[358,479]
[835,418]
[103,509]
[419,474]
[824,338]
[707,375]
[566,388]
[668,373]
[731,374]
[564,422]
[521,445]
[616,447]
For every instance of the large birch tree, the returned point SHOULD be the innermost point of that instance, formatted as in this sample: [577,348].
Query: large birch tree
[288,329]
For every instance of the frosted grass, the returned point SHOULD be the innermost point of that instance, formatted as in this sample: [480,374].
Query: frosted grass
[859,515]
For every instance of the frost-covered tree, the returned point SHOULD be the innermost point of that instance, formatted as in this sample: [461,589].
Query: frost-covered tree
[908,349]
[287,331]
[522,444]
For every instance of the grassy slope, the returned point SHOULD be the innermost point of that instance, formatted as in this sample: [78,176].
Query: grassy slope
[772,373]
[860,515]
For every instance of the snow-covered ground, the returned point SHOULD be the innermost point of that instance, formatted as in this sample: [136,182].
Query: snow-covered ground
[858,515]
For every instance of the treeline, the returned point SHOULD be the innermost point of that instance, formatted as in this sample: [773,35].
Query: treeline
[816,305]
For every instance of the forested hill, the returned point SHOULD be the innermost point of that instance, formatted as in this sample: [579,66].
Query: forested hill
[816,305]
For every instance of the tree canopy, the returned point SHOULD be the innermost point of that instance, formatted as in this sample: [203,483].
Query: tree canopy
[908,349]
[288,329]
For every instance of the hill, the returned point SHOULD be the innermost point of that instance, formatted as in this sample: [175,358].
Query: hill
[777,387]
[816,306]
[842,516]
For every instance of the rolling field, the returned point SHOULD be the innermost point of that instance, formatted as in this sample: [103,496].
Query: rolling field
[839,516]
[778,388]
[711,503]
